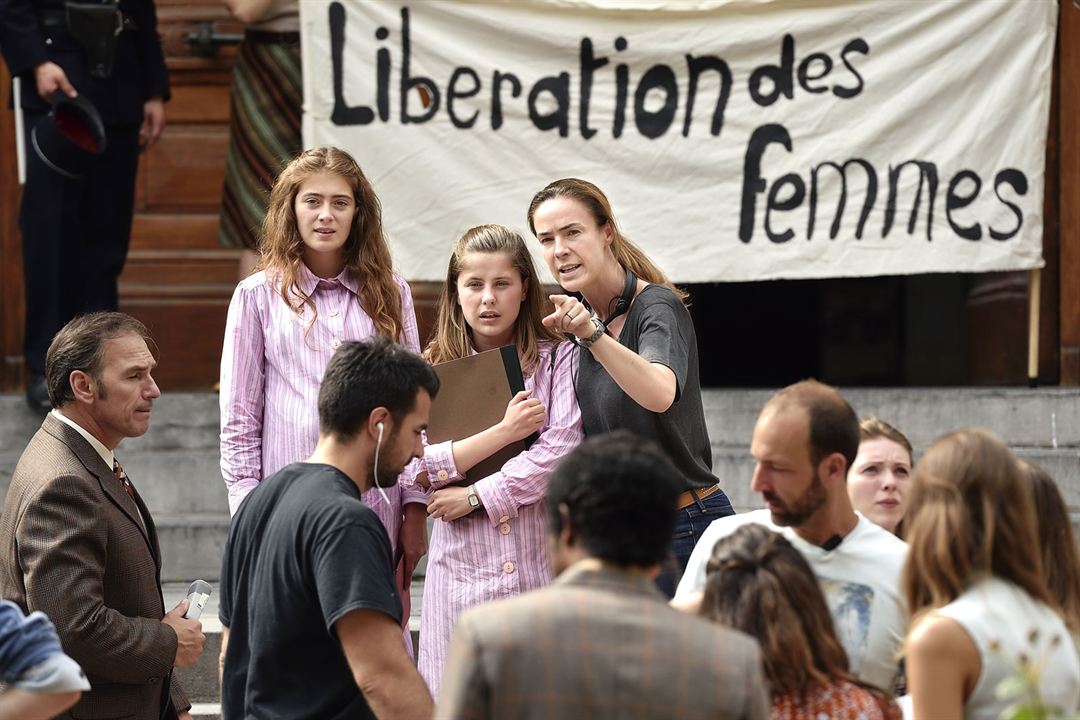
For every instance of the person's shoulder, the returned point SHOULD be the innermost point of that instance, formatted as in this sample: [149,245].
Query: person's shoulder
[693,580]
[546,349]
[713,638]
[47,446]
[722,527]
[261,281]
[937,635]
[52,482]
[340,507]
[872,541]
[658,304]
[654,294]
[402,285]
[256,290]
[318,489]
[54,452]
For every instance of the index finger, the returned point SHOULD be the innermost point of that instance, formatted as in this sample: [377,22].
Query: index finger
[559,300]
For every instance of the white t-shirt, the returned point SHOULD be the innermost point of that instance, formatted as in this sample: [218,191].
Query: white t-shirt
[1006,623]
[861,582]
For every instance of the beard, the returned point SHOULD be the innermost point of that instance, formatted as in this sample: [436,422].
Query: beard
[799,510]
[386,474]
[387,469]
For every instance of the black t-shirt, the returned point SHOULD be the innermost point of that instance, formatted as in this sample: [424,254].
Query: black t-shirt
[658,328]
[303,551]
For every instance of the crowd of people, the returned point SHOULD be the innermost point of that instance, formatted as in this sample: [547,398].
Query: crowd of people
[601,572]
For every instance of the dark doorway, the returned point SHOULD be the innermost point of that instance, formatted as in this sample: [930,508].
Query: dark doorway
[848,331]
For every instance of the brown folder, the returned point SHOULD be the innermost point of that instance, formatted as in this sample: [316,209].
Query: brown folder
[473,394]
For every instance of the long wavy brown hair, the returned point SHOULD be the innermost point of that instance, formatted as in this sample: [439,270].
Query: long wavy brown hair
[970,516]
[627,254]
[1057,543]
[758,583]
[367,254]
[453,336]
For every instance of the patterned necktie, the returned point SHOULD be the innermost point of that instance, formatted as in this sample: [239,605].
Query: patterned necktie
[123,478]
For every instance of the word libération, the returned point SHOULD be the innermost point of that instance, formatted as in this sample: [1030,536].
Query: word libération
[548,100]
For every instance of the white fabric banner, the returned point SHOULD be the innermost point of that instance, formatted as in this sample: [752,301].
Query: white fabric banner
[737,139]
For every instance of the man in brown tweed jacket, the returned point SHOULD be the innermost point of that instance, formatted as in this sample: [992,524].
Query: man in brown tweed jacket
[76,540]
[601,641]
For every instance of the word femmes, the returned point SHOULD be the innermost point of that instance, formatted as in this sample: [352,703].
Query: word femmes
[788,192]
[549,99]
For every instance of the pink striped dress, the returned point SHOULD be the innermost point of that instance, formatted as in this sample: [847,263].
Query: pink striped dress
[272,364]
[499,550]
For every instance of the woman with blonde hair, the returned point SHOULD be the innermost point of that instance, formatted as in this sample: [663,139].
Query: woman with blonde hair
[488,540]
[757,582]
[637,349]
[980,609]
[880,478]
[325,276]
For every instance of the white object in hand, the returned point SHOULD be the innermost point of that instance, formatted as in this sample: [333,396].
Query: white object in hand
[197,595]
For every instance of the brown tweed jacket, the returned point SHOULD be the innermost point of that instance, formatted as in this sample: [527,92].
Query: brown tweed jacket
[72,546]
[598,643]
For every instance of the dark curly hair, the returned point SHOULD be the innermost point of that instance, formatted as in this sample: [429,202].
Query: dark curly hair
[618,492]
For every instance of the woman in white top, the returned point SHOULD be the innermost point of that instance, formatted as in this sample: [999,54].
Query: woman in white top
[980,607]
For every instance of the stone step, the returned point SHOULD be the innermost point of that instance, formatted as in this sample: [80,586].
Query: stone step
[176,481]
[205,711]
[180,421]
[175,465]
[1041,417]
[1037,417]
[191,544]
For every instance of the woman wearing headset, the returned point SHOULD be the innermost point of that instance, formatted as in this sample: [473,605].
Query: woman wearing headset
[637,350]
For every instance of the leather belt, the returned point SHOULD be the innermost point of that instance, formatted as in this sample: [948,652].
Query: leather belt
[269,36]
[691,496]
[58,19]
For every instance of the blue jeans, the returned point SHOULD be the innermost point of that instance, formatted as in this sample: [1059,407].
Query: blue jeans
[693,519]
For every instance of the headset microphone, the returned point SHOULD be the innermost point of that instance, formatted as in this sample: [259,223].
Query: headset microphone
[622,303]
[375,467]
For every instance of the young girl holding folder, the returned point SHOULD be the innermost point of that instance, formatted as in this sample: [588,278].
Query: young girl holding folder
[325,276]
[489,538]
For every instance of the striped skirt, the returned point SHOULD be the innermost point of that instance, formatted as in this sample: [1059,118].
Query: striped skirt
[264,134]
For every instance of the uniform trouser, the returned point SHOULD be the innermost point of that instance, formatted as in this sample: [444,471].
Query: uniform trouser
[75,236]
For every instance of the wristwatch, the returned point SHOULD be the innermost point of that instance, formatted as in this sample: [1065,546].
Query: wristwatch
[600,330]
[474,499]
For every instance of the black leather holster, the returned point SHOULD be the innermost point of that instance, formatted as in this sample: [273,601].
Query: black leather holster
[96,26]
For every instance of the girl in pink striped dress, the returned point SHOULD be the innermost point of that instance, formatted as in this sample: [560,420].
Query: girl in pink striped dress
[489,538]
[325,276]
